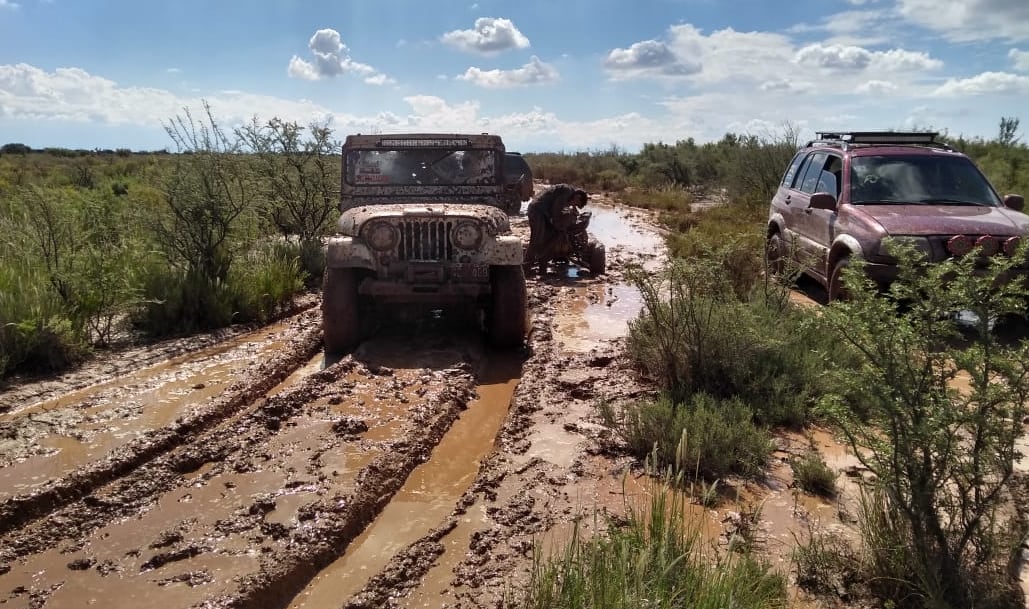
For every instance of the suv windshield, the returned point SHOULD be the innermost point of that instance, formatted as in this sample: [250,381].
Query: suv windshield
[426,166]
[911,179]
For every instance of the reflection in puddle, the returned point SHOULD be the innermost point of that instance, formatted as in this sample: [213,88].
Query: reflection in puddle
[602,311]
[598,314]
[612,227]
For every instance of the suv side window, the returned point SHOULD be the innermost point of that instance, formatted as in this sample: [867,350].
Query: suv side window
[813,172]
[787,180]
[799,176]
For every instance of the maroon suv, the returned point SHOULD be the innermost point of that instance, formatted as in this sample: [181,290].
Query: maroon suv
[844,193]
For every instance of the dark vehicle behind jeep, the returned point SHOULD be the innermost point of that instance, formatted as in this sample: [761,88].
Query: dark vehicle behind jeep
[845,195]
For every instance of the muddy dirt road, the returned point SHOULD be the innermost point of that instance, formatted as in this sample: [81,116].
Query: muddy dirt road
[236,470]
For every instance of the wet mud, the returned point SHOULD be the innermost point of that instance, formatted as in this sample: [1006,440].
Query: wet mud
[423,470]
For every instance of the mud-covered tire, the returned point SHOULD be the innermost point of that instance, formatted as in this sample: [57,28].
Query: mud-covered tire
[596,255]
[509,307]
[775,255]
[341,318]
[835,289]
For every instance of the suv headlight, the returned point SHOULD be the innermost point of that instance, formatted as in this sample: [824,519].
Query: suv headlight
[467,235]
[380,236]
[921,244]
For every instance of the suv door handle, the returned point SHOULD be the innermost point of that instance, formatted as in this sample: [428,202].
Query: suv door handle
[788,199]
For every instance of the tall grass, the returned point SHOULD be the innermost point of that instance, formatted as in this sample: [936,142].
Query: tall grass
[656,559]
[35,331]
[704,436]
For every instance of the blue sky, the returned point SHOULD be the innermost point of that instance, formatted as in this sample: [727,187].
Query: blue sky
[546,75]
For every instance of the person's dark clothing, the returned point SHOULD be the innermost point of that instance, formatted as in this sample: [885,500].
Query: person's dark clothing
[541,212]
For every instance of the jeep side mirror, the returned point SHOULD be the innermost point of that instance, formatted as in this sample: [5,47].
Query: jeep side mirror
[1015,202]
[823,200]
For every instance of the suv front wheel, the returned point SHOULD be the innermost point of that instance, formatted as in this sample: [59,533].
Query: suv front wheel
[775,255]
[836,289]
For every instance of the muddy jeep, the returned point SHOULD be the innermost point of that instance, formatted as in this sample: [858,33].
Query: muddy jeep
[423,224]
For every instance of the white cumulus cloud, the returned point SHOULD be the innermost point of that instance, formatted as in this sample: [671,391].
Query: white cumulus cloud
[490,35]
[984,84]
[966,20]
[649,58]
[877,87]
[848,58]
[535,72]
[331,58]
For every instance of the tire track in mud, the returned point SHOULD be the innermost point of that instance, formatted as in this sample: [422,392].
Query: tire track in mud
[324,528]
[266,540]
[516,496]
[109,365]
[128,459]
[284,574]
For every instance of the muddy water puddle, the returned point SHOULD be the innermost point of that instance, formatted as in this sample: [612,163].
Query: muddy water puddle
[57,436]
[429,494]
[618,229]
[601,311]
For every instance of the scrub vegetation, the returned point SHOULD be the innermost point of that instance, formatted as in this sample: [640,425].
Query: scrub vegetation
[108,246]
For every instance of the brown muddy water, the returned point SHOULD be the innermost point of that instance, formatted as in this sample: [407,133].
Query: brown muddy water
[429,494]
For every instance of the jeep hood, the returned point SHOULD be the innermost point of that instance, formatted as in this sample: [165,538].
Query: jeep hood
[946,219]
[495,220]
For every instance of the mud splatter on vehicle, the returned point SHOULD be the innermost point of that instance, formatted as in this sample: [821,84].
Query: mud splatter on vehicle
[423,225]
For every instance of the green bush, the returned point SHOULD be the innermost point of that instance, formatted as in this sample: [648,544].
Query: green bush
[937,528]
[43,344]
[812,474]
[828,564]
[695,335]
[656,559]
[711,438]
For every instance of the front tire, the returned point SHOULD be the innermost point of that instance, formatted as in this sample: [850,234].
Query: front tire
[509,311]
[836,290]
[341,319]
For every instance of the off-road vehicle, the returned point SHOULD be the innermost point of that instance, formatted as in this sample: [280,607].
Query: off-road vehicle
[517,179]
[573,243]
[844,194]
[423,224]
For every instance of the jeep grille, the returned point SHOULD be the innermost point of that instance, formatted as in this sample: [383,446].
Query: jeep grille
[425,240]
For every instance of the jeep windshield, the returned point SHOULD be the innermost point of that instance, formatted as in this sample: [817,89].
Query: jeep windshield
[919,179]
[421,167]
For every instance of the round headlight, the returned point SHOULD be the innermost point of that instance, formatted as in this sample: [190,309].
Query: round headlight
[988,245]
[467,235]
[1011,245]
[959,245]
[380,236]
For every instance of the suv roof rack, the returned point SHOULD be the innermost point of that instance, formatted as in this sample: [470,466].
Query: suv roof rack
[846,139]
